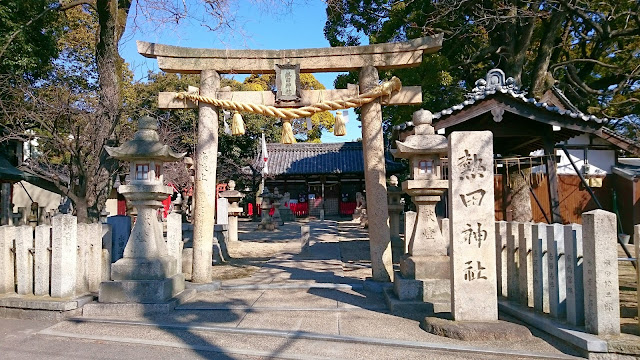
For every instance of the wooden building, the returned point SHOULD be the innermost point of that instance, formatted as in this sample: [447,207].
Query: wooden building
[319,176]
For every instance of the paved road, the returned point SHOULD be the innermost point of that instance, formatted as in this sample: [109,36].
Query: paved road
[297,306]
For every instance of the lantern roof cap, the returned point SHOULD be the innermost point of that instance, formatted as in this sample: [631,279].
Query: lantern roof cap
[145,145]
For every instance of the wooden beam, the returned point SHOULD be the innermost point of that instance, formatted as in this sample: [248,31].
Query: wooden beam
[332,59]
[408,95]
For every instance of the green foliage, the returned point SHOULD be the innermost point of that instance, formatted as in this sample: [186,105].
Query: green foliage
[587,48]
[28,35]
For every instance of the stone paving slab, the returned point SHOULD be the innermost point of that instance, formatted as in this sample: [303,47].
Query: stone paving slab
[222,299]
[294,298]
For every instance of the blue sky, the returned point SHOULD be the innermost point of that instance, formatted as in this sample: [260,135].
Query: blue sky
[258,25]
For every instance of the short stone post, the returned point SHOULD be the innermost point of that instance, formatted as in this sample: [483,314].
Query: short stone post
[513,260]
[121,228]
[540,268]
[42,259]
[82,278]
[375,181]
[525,271]
[222,211]
[174,238]
[107,250]
[94,257]
[64,255]
[601,296]
[573,263]
[409,227]
[24,260]
[501,257]
[395,209]
[557,279]
[7,237]
[473,242]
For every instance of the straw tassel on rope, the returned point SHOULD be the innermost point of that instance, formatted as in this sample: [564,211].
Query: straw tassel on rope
[287,133]
[237,124]
[339,127]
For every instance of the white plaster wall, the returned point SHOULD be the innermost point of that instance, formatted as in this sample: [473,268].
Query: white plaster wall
[112,206]
[600,162]
[43,197]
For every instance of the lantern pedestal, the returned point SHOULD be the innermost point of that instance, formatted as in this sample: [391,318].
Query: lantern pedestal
[146,274]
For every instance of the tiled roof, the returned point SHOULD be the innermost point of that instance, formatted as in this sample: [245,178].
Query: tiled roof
[315,159]
[495,83]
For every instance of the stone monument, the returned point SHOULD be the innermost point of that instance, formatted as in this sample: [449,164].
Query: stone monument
[233,196]
[474,299]
[473,241]
[424,270]
[146,273]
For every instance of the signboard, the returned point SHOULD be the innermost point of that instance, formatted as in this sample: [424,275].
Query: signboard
[287,82]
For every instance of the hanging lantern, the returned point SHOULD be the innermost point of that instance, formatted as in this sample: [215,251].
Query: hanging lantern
[237,124]
[339,127]
[287,133]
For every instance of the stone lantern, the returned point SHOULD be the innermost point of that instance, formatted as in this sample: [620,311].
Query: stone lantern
[394,196]
[425,268]
[146,273]
[265,206]
[277,198]
[233,196]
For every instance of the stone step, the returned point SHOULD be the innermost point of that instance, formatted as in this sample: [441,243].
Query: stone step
[98,309]
[262,342]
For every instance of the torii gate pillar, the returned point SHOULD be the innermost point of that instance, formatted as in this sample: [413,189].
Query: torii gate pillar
[375,181]
[205,180]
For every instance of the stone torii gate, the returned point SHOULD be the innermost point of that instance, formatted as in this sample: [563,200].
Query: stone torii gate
[209,63]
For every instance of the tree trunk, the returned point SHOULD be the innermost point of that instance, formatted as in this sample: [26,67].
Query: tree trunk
[545,50]
[81,209]
[520,198]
